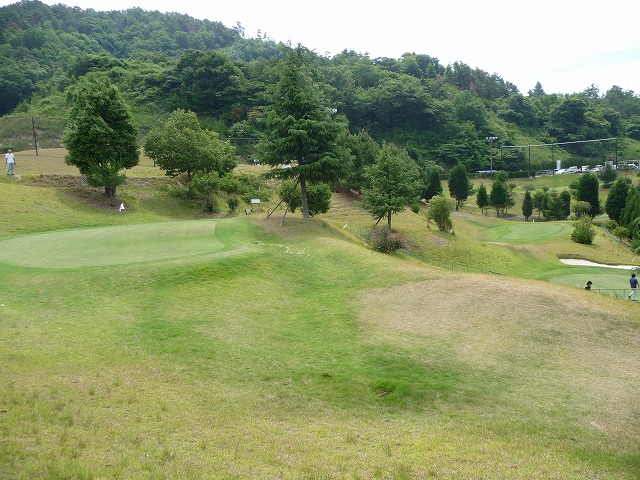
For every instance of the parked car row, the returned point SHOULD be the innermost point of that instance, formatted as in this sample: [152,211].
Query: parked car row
[585,168]
[564,170]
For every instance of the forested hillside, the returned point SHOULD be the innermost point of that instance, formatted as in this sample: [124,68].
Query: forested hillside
[442,114]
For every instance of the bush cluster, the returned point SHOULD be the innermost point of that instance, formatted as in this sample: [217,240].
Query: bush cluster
[385,240]
[583,231]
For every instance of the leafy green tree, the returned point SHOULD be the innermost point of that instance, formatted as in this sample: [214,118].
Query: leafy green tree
[583,231]
[537,91]
[246,186]
[100,136]
[439,211]
[210,187]
[364,150]
[205,185]
[206,82]
[501,176]
[397,101]
[527,206]
[630,217]
[557,205]
[616,199]
[631,210]
[580,208]
[539,200]
[471,109]
[519,110]
[608,174]
[588,192]
[385,241]
[578,118]
[394,183]
[86,63]
[482,198]
[318,196]
[499,196]
[302,131]
[289,192]
[626,102]
[15,86]
[459,185]
[511,199]
[565,197]
[432,184]
[253,186]
[181,146]
[245,135]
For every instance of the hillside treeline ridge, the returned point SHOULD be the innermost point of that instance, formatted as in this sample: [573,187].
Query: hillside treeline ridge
[165,61]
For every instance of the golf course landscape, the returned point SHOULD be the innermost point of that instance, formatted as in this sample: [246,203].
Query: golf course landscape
[161,342]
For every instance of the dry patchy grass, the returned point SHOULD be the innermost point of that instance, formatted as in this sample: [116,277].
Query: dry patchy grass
[554,345]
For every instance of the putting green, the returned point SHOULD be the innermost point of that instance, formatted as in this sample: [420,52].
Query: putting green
[602,278]
[117,245]
[528,232]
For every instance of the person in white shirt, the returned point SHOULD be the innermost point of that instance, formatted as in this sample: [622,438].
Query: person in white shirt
[11,162]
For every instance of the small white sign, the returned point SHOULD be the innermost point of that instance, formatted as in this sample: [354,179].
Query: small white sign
[255,200]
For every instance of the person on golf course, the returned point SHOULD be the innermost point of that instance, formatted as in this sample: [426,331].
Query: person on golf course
[633,283]
[11,162]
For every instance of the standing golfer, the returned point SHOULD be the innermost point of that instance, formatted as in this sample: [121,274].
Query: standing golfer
[11,162]
[633,283]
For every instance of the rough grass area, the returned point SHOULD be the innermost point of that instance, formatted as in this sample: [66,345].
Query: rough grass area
[174,346]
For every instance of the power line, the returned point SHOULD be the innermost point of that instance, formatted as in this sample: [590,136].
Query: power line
[560,143]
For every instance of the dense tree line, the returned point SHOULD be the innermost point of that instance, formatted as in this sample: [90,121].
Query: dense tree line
[386,127]
[441,114]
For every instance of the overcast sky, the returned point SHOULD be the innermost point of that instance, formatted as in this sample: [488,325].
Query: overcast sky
[566,45]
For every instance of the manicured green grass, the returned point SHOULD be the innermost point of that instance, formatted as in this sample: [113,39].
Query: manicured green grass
[528,232]
[117,245]
[602,278]
[239,348]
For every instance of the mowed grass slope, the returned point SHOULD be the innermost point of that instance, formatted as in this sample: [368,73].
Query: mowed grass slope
[295,352]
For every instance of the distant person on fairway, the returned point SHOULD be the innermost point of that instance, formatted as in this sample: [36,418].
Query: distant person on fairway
[11,162]
[588,285]
[633,283]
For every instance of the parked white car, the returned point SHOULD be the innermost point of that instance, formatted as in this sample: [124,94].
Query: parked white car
[627,166]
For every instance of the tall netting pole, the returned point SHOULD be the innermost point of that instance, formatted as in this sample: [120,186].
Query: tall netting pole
[35,138]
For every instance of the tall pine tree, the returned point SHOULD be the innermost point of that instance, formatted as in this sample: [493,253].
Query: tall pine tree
[394,183]
[527,205]
[459,185]
[303,132]
[482,198]
[588,187]
[617,199]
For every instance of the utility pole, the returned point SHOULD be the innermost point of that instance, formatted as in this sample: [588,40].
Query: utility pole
[490,140]
[35,138]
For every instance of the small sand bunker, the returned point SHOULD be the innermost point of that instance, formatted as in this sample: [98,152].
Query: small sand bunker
[587,263]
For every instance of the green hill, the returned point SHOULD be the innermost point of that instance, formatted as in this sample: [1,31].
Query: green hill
[442,114]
